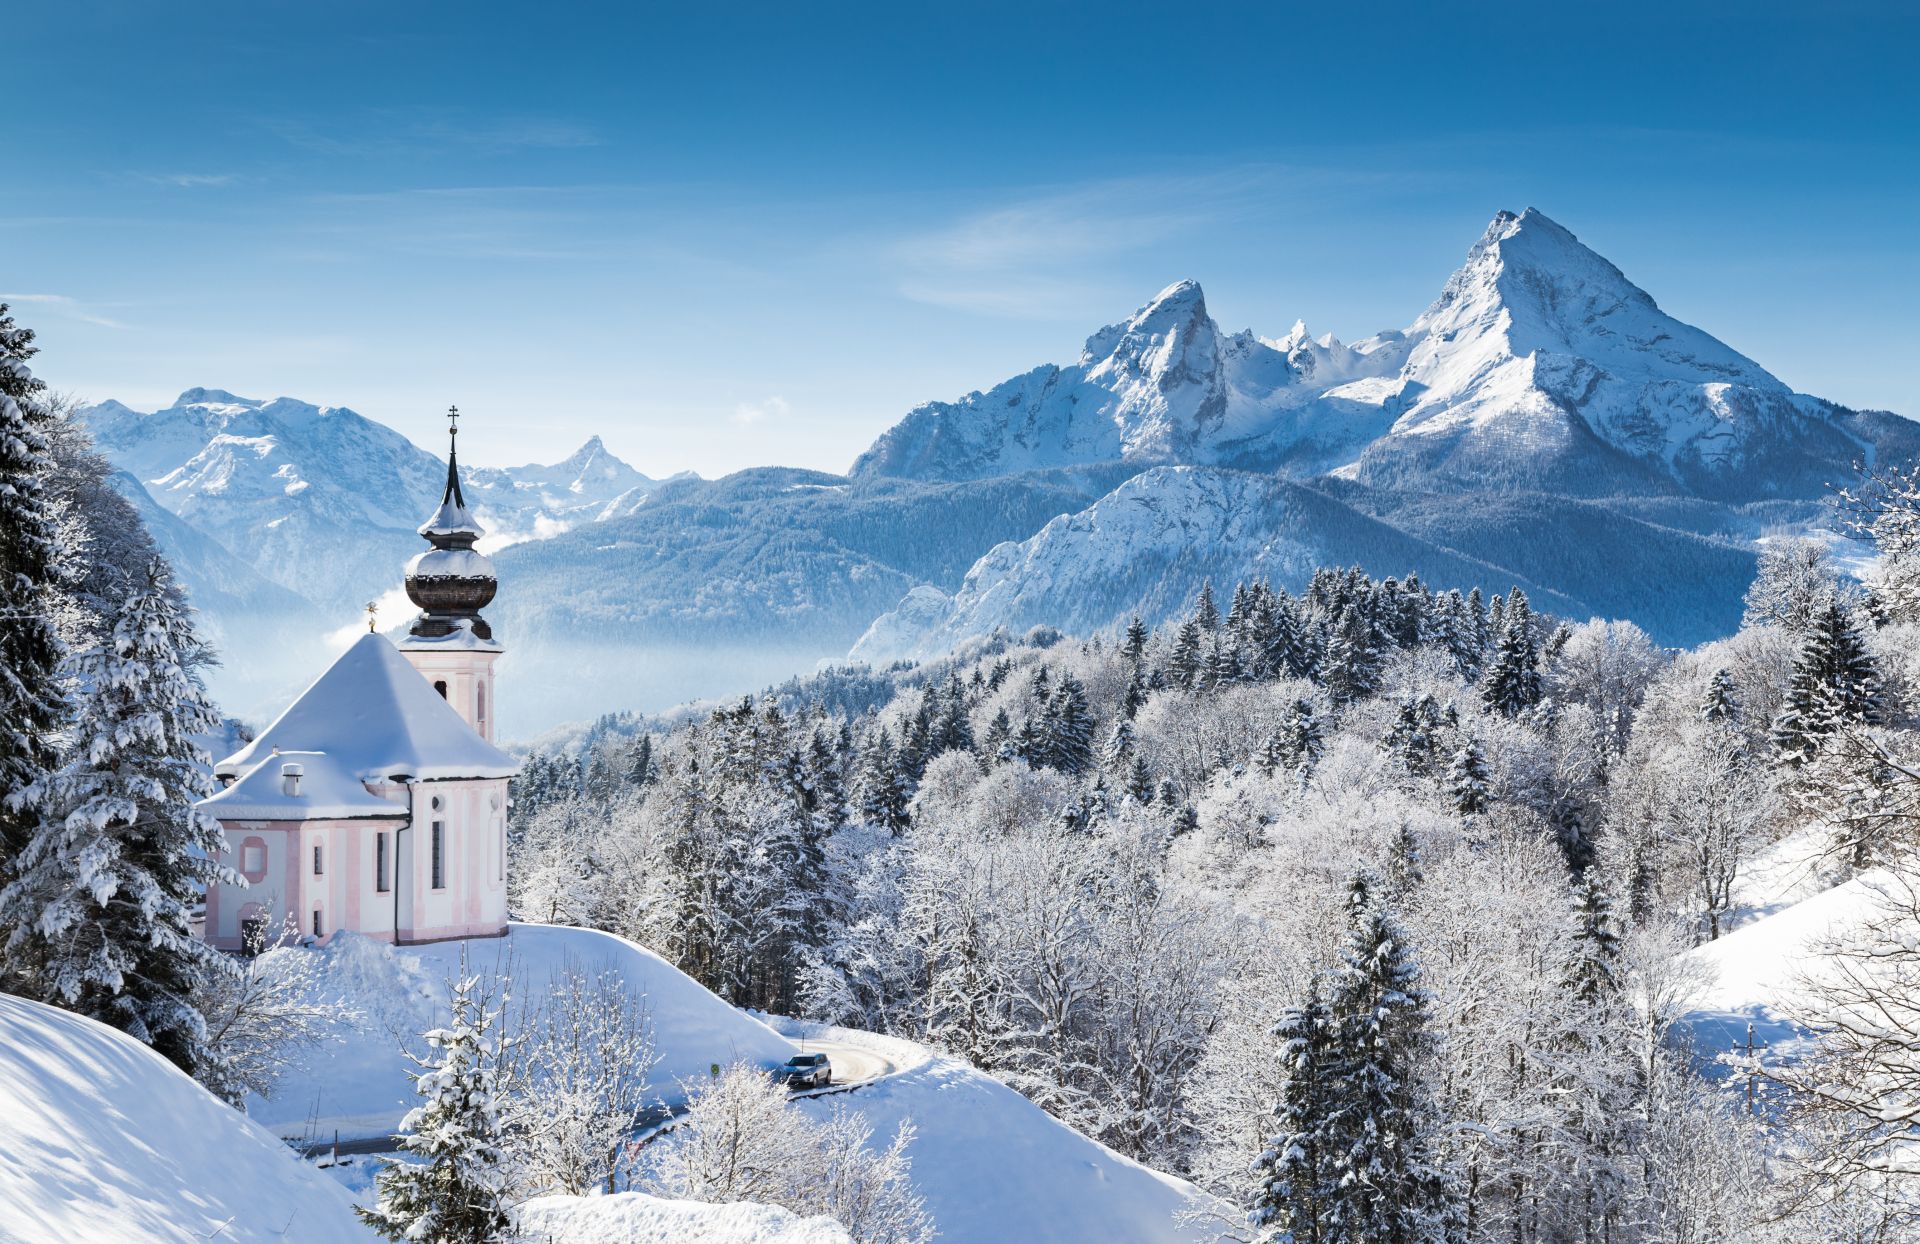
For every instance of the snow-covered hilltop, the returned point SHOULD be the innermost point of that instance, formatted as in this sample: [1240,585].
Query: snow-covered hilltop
[1539,366]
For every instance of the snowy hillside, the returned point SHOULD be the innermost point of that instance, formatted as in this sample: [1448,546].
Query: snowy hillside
[993,1166]
[106,1141]
[358,1083]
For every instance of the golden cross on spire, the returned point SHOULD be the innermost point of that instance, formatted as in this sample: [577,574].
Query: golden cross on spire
[453,421]
[373,612]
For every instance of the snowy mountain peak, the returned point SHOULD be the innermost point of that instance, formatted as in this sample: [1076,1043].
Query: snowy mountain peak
[211,397]
[1528,263]
[1542,365]
[1175,315]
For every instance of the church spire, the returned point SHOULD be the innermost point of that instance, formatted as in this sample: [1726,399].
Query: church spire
[451,526]
[452,581]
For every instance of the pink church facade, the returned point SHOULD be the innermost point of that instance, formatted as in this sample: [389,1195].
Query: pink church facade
[377,801]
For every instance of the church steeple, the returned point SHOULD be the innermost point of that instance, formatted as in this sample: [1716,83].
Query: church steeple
[451,526]
[451,582]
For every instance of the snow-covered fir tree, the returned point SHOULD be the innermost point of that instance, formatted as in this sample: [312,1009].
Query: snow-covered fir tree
[98,907]
[1835,683]
[1513,681]
[31,700]
[1385,1182]
[1467,779]
[456,1191]
[1293,1176]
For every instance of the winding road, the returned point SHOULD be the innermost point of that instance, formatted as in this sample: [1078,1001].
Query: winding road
[854,1067]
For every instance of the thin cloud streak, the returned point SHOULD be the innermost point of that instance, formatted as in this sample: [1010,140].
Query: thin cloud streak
[65,307]
[390,132]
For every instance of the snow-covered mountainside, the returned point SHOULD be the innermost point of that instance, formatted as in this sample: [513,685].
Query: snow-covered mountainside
[1141,548]
[1543,422]
[1165,385]
[321,500]
[106,1141]
[1540,366]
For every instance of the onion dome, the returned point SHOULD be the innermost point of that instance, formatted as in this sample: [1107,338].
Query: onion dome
[451,582]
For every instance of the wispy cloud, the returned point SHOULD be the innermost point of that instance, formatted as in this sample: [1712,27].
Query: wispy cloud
[392,132]
[65,307]
[1028,256]
[747,414]
[193,181]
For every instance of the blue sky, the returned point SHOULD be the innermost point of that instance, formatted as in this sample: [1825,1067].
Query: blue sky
[724,236]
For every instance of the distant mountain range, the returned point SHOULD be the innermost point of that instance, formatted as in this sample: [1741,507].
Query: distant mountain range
[1543,422]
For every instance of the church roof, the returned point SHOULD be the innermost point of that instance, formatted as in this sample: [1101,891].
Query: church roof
[375,717]
[325,792]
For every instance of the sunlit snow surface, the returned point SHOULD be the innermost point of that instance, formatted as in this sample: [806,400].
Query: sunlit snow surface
[103,1140]
[995,1167]
[358,1084]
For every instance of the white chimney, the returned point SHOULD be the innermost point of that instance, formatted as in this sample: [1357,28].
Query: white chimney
[290,778]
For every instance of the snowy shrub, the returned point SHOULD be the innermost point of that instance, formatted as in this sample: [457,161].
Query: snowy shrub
[741,1140]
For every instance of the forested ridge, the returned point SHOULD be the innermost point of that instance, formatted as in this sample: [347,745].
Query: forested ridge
[1291,887]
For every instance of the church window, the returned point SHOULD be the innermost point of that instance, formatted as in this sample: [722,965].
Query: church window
[480,704]
[441,687]
[439,855]
[253,859]
[380,863]
[318,929]
[318,871]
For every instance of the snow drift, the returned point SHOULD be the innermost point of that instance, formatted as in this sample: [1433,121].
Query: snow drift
[105,1140]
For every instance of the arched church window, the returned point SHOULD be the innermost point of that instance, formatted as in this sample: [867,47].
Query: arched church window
[440,686]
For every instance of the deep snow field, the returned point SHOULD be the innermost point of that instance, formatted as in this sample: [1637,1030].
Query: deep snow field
[1787,904]
[103,1140]
[995,1167]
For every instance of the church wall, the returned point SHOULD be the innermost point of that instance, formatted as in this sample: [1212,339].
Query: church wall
[473,901]
[284,882]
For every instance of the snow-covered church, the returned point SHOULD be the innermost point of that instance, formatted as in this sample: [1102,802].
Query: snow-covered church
[377,802]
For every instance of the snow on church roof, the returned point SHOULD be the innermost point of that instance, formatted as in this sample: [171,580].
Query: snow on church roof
[375,717]
[324,792]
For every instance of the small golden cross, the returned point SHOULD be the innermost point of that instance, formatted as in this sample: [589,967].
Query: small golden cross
[373,611]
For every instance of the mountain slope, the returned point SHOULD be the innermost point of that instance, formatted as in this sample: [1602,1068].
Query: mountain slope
[324,501]
[1148,545]
[720,587]
[93,1134]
